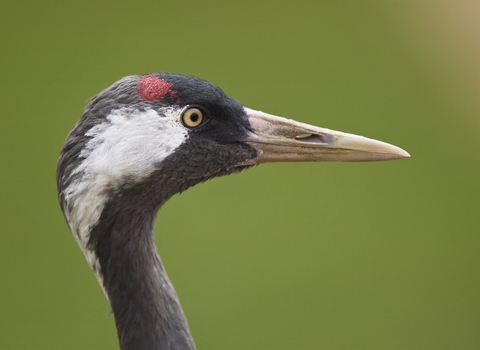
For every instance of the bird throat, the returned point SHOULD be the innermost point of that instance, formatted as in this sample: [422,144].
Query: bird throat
[147,312]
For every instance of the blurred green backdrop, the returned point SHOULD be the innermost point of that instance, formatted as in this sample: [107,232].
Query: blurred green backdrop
[283,256]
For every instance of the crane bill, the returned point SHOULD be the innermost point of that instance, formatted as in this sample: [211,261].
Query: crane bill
[279,139]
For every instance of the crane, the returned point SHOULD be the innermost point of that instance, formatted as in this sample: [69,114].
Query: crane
[146,138]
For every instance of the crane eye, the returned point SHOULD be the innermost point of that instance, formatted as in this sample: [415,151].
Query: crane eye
[192,117]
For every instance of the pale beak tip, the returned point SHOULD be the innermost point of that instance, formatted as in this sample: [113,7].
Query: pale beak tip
[405,154]
[401,153]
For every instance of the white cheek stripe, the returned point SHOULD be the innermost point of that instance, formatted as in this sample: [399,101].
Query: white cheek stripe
[127,145]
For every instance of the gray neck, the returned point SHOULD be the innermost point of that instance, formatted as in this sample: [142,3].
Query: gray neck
[147,312]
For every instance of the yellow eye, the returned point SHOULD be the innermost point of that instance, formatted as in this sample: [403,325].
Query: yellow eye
[192,117]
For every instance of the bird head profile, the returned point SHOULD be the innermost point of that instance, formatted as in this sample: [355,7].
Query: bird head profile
[146,138]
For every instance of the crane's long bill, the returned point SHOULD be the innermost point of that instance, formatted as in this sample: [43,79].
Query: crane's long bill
[283,140]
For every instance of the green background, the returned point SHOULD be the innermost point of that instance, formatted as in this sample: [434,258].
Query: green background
[283,256]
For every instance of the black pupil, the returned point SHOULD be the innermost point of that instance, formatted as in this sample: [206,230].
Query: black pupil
[194,117]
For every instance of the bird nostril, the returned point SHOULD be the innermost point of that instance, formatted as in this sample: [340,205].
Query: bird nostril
[302,136]
[311,138]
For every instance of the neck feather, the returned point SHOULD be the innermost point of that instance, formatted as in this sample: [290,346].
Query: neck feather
[147,312]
